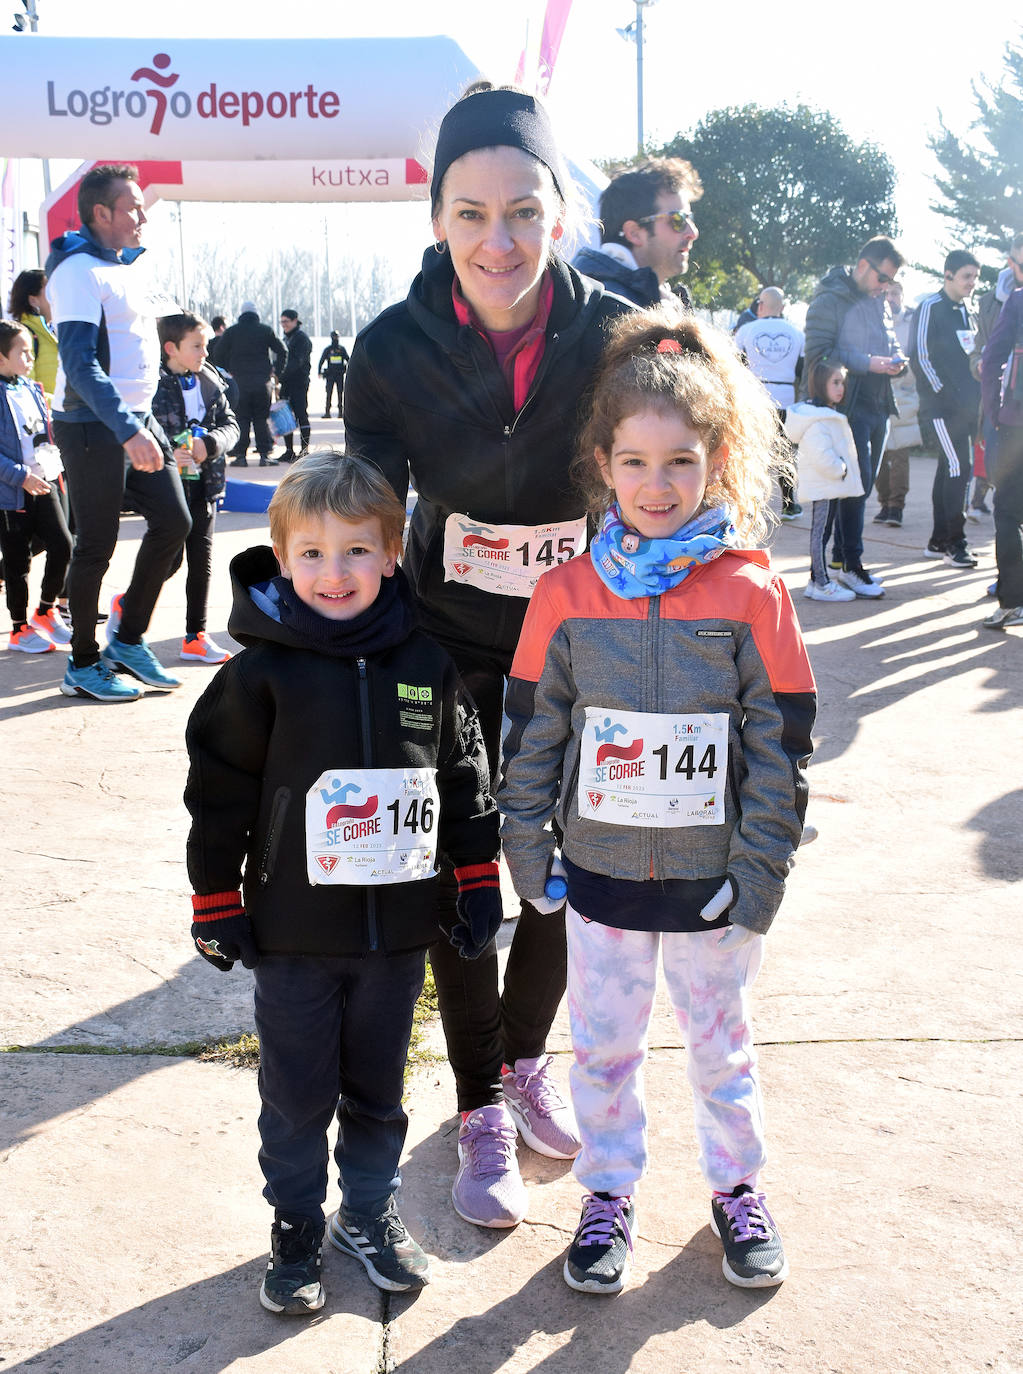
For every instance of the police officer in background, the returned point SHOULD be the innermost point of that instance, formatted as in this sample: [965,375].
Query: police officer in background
[332,367]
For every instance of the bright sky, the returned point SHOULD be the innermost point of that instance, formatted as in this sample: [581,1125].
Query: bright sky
[884,72]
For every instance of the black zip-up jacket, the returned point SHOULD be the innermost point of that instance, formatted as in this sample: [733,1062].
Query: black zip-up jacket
[300,353]
[945,384]
[279,715]
[424,395]
[245,350]
[218,421]
[845,325]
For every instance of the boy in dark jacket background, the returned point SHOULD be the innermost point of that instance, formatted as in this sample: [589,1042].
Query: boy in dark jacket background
[334,760]
[943,336]
[191,404]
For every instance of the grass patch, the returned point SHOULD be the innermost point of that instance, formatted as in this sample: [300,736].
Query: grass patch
[242,1051]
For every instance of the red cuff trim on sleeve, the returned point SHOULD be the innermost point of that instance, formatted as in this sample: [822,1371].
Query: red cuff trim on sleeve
[477,875]
[214,906]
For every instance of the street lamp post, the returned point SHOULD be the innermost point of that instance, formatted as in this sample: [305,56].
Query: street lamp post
[634,33]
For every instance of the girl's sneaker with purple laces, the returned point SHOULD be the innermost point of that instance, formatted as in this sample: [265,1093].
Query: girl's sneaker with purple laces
[488,1188]
[544,1120]
[753,1256]
[598,1258]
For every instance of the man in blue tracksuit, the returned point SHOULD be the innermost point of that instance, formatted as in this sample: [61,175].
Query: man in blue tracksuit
[943,337]
[109,364]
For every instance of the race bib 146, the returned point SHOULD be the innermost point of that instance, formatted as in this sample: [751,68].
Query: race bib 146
[366,826]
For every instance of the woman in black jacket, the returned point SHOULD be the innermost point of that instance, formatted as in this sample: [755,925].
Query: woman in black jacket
[472,386]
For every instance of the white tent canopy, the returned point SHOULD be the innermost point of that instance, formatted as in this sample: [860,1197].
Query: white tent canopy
[260,120]
[125,99]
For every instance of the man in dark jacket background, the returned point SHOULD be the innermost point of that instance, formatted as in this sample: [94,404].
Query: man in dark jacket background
[295,381]
[1003,409]
[849,322]
[246,350]
[648,230]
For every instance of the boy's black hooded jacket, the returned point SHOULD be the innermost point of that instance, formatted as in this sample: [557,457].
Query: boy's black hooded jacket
[289,708]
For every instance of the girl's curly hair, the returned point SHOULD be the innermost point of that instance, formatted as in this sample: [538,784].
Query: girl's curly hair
[661,359]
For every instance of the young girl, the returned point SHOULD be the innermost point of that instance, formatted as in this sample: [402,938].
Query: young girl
[31,476]
[828,471]
[660,695]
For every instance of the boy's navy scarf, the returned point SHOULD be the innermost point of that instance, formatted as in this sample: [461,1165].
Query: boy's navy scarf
[389,620]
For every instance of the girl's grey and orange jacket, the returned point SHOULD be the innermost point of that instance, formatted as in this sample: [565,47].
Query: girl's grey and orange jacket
[725,640]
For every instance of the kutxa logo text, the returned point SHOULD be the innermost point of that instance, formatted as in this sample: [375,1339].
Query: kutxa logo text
[156,96]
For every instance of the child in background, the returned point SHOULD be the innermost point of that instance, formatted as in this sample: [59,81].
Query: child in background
[334,759]
[191,405]
[660,695]
[828,471]
[31,477]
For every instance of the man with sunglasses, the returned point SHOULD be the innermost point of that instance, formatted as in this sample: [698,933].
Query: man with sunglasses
[648,230]
[849,322]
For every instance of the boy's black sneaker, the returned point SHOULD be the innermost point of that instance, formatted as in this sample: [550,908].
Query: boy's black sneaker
[392,1259]
[753,1256]
[894,517]
[882,516]
[959,556]
[292,1281]
[598,1258]
[934,550]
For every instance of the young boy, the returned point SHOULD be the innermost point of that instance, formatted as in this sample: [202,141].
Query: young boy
[191,404]
[334,759]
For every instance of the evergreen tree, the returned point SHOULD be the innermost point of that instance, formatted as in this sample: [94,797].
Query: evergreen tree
[982,175]
[787,194]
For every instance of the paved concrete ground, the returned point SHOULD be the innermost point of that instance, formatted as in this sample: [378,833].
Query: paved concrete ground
[132,1226]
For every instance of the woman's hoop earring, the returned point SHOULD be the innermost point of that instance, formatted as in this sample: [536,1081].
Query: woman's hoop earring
[440,246]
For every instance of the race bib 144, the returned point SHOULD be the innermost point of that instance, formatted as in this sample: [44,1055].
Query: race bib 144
[645,768]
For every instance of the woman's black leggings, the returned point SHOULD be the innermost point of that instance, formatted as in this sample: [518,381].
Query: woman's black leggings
[482,1026]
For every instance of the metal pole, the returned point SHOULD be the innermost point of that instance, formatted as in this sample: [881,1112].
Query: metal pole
[181,258]
[326,267]
[639,76]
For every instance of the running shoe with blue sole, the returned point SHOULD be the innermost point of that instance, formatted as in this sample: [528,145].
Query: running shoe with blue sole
[98,683]
[141,662]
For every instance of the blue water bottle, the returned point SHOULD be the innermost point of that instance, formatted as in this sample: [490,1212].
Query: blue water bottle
[556,886]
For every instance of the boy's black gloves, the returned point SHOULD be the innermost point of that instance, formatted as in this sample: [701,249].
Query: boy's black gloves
[479,909]
[222,932]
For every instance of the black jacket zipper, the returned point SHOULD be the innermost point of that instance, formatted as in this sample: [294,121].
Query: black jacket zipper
[365,723]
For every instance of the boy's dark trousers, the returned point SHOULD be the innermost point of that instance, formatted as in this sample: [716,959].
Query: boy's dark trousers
[333,1036]
[198,550]
[954,441]
[42,518]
